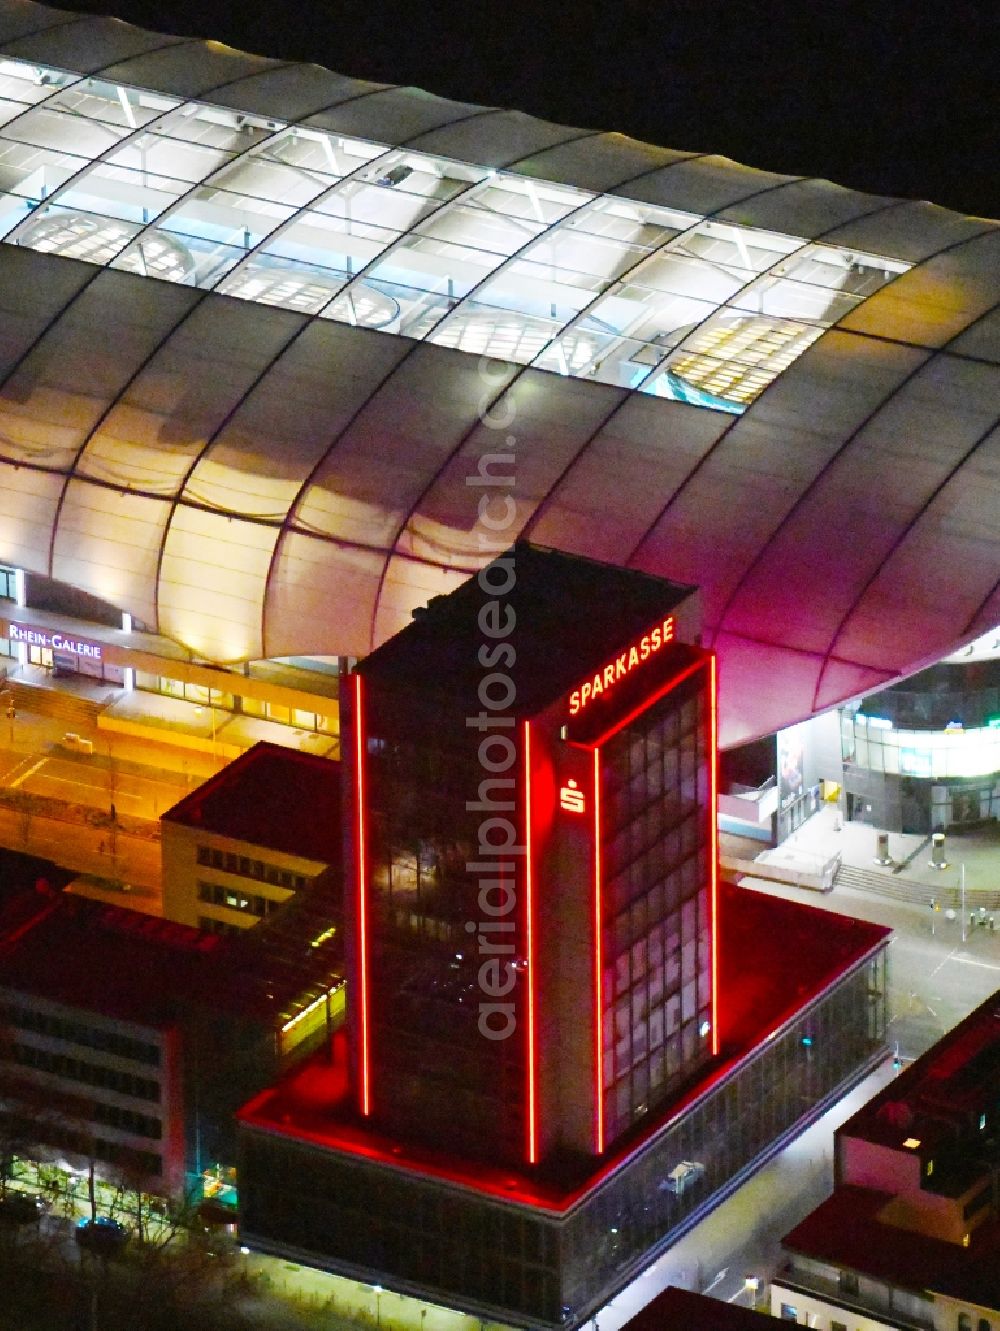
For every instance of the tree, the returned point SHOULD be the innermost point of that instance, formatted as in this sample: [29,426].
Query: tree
[24,1108]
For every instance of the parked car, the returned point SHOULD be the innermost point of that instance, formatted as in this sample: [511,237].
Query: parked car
[101,1235]
[683,1175]
[21,1208]
[77,743]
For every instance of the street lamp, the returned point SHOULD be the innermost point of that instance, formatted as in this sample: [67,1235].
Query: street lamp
[378,1292]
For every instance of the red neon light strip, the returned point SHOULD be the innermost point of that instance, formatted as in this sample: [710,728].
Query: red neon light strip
[598,964]
[529,913]
[713,840]
[647,702]
[361,861]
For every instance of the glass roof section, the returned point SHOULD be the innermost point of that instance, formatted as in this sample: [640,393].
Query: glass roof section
[580,284]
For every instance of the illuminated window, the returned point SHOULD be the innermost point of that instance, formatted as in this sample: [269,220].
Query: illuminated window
[655,952]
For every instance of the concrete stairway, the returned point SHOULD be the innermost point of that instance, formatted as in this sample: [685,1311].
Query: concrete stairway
[899,888]
[72,712]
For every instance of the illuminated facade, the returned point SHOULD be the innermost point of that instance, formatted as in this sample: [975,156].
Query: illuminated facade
[924,756]
[518,1003]
[136,1049]
[245,843]
[566,1041]
[231,289]
[297,216]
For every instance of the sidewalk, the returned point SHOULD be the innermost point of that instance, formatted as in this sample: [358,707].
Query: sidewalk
[978,849]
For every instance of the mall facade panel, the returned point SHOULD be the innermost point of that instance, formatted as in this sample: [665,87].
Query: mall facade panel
[303,273]
[924,756]
[50,630]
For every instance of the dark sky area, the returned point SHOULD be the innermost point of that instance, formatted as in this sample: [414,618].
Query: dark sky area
[899,97]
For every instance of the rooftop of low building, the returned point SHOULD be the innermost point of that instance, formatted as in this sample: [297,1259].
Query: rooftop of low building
[945,1099]
[127,966]
[845,1231]
[681,1310]
[272,798]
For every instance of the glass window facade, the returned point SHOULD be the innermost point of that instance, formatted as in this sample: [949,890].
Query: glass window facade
[518,1263]
[941,754]
[210,925]
[82,1070]
[495,264]
[657,923]
[234,899]
[100,1078]
[78,1032]
[923,759]
[246,866]
[233,702]
[433,1072]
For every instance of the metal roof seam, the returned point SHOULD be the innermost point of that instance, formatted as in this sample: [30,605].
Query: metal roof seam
[634,555]
[393,546]
[902,536]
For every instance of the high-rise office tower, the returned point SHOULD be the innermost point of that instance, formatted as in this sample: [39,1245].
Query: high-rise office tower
[539,1088]
[533,853]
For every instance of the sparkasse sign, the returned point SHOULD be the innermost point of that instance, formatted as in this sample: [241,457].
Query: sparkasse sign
[623,664]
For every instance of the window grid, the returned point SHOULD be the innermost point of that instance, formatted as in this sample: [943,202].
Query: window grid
[657,930]
[245,866]
[78,1069]
[74,1032]
[217,894]
[537,1268]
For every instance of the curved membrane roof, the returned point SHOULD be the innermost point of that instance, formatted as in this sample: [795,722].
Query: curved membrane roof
[780,390]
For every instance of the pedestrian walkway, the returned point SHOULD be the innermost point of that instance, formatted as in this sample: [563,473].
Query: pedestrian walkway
[971,855]
[978,849]
[111,715]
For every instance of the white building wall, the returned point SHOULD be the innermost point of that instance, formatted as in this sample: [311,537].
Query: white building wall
[815,1311]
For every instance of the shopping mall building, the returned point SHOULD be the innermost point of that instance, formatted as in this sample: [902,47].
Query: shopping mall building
[265,328]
